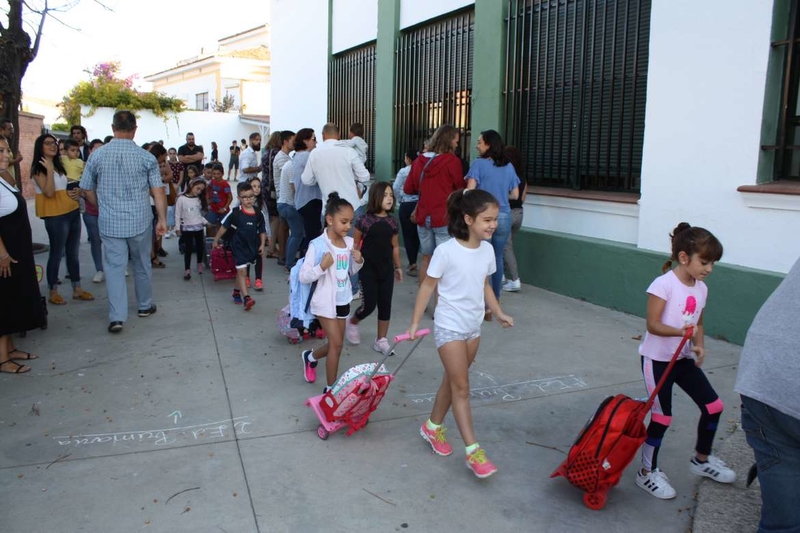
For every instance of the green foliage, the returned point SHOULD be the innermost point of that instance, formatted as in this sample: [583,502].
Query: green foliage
[106,89]
[60,126]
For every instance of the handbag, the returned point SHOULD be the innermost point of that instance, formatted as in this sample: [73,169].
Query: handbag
[413,216]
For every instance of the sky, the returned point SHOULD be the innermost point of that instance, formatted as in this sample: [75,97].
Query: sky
[145,36]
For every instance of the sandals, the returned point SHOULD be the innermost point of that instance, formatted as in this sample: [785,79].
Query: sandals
[156,263]
[27,356]
[18,368]
[187,275]
[57,299]
[83,296]
[161,252]
[412,271]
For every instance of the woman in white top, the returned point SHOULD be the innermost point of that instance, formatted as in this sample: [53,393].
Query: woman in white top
[21,306]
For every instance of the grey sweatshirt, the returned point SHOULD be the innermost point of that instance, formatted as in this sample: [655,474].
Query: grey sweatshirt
[769,370]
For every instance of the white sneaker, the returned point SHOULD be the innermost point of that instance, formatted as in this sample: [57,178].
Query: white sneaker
[99,277]
[168,235]
[512,285]
[502,281]
[382,346]
[126,272]
[359,295]
[656,483]
[715,468]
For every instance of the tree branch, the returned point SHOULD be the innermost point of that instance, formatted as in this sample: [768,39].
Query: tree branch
[35,49]
[101,4]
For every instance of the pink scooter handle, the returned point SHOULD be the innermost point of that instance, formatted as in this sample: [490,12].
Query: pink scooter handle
[405,336]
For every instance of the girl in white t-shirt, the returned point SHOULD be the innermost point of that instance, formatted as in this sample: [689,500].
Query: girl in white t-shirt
[675,303]
[460,270]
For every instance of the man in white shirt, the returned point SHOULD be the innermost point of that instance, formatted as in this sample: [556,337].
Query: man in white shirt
[248,159]
[335,167]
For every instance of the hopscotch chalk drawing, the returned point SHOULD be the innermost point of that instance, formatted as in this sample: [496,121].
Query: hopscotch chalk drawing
[511,392]
[219,429]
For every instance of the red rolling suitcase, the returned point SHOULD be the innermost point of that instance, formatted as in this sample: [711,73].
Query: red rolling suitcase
[610,439]
[222,264]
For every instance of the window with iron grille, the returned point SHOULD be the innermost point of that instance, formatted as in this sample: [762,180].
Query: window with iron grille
[782,143]
[351,96]
[575,91]
[201,102]
[434,82]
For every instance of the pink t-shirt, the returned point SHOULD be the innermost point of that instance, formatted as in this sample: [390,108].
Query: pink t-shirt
[669,288]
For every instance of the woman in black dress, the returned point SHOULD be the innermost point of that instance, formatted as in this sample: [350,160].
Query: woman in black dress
[214,152]
[21,308]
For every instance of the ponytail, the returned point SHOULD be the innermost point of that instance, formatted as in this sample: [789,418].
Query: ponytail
[692,240]
[335,203]
[463,202]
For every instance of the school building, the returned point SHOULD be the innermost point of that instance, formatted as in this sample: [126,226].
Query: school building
[632,115]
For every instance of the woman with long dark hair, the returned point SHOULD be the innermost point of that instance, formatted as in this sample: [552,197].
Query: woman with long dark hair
[492,173]
[58,207]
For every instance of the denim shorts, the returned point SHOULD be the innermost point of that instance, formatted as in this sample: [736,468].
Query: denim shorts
[442,336]
[430,238]
[214,218]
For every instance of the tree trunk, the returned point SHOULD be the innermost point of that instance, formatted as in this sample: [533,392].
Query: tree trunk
[15,56]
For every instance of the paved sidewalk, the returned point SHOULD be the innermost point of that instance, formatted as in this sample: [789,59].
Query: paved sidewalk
[193,420]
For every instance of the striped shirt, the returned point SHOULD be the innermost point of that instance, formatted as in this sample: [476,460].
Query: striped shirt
[122,173]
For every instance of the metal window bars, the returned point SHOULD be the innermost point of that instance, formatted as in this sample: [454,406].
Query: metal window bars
[433,82]
[351,94]
[575,90]
[787,162]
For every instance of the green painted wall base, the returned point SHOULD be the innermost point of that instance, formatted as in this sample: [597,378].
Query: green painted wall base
[617,276]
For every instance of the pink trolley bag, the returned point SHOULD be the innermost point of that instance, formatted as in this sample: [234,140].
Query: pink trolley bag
[357,393]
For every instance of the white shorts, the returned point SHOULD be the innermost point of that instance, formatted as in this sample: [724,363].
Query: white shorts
[442,336]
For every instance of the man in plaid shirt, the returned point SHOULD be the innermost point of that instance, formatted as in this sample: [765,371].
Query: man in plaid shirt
[119,178]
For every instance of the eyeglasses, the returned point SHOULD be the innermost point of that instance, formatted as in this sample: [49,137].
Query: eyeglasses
[49,143]
[249,197]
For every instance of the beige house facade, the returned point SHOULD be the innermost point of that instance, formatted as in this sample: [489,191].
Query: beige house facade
[239,69]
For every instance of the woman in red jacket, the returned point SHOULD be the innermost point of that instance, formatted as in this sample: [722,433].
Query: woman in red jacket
[434,175]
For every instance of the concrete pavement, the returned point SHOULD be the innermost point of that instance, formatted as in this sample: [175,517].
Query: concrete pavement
[193,420]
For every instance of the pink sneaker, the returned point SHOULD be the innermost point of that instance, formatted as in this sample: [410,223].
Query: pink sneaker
[309,369]
[436,439]
[352,333]
[479,464]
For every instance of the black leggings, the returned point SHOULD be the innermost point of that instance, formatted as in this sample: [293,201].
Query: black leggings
[378,290]
[193,241]
[693,381]
[259,267]
[312,222]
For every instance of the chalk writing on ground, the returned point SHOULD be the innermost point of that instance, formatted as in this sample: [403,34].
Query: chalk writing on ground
[163,437]
[512,391]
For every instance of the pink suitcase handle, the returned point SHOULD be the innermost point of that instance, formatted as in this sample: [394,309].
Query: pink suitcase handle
[405,336]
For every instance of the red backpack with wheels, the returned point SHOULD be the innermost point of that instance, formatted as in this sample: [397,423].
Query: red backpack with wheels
[609,440]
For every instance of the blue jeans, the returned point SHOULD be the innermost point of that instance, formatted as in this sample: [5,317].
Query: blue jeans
[64,232]
[115,259]
[499,239]
[775,439]
[94,240]
[171,216]
[297,232]
[430,238]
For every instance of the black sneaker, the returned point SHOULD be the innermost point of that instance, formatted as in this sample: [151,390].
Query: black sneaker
[147,312]
[115,327]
